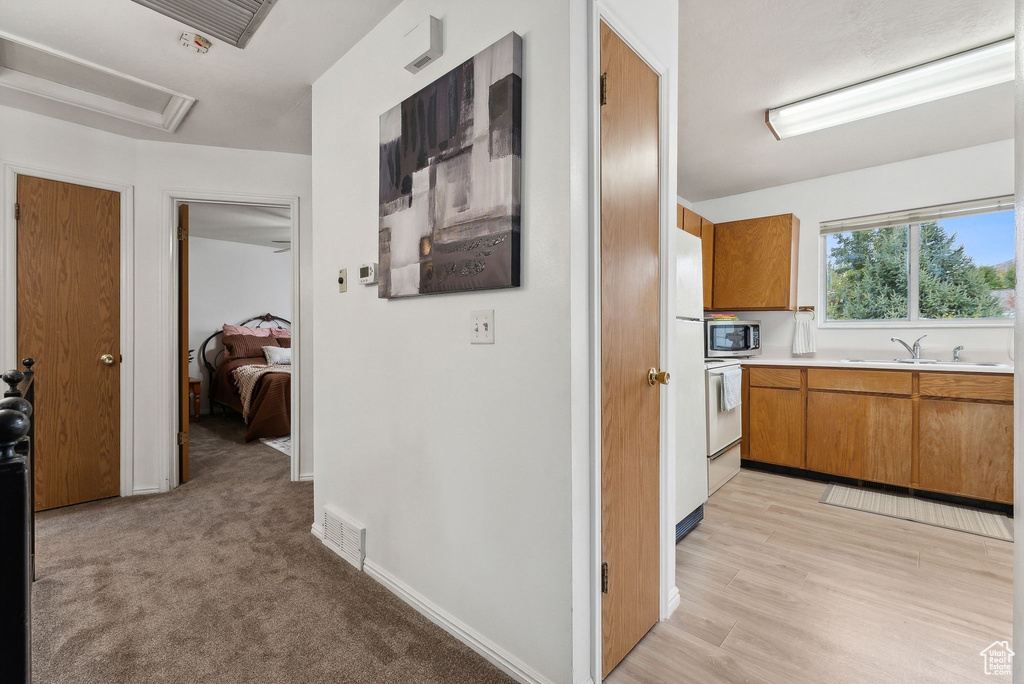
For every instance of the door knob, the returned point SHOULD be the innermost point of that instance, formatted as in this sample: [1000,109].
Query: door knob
[107,359]
[655,376]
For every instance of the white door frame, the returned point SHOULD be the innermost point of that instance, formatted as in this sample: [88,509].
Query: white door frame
[669,594]
[9,171]
[170,202]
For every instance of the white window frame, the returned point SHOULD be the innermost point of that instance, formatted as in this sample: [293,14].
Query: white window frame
[914,218]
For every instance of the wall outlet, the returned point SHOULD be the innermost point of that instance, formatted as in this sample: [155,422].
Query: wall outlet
[481,330]
[343,280]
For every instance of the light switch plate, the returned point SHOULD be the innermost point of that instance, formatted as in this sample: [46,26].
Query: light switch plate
[481,329]
[343,280]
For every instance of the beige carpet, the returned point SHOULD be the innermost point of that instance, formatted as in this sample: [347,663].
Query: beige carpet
[221,581]
[972,520]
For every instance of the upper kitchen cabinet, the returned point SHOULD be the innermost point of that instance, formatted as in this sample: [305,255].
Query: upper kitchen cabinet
[695,224]
[754,264]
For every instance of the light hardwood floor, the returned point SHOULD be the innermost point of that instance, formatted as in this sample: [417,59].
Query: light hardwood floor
[778,588]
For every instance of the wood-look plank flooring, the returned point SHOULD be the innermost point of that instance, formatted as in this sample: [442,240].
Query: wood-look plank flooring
[778,588]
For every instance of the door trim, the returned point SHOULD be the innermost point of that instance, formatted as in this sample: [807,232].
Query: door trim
[9,300]
[169,285]
[669,593]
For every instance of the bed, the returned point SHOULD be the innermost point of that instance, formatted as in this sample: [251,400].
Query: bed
[270,405]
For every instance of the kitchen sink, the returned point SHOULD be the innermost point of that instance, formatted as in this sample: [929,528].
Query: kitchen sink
[925,362]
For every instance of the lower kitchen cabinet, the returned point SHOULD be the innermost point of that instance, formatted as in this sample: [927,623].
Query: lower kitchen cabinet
[861,436]
[777,426]
[944,432]
[966,448]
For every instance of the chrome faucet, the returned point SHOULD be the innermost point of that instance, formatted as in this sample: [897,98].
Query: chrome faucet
[915,351]
[956,353]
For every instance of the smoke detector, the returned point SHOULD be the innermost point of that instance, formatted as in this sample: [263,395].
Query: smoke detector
[195,43]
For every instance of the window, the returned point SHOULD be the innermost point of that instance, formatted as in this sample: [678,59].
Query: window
[942,265]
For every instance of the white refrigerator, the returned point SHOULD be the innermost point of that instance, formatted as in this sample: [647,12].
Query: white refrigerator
[689,381]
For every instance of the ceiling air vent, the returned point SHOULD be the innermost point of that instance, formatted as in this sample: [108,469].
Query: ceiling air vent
[344,536]
[233,21]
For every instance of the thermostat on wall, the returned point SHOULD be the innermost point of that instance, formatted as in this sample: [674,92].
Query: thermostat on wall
[368,274]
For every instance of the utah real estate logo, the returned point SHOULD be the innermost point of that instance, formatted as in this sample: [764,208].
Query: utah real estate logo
[998,659]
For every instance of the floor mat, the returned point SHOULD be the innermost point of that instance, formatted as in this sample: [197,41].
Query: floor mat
[951,516]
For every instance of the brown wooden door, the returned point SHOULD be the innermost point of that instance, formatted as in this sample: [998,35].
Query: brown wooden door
[183,402]
[69,322]
[630,325]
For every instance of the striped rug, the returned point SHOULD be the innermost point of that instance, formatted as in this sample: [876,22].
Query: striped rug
[951,516]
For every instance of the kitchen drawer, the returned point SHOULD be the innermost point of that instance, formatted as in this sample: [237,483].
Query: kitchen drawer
[966,386]
[873,381]
[788,378]
[723,468]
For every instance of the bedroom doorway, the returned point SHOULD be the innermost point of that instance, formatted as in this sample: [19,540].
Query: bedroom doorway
[235,360]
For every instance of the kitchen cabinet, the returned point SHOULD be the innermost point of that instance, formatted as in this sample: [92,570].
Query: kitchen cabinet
[943,432]
[966,448]
[861,436]
[754,264]
[776,426]
[707,245]
[695,224]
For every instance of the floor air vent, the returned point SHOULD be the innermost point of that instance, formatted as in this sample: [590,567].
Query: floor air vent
[344,536]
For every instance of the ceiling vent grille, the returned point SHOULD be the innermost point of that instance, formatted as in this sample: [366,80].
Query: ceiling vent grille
[233,21]
[345,537]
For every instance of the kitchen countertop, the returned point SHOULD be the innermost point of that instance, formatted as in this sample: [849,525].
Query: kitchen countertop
[833,358]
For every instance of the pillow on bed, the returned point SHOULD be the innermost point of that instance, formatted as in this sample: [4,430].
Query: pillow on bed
[285,342]
[278,355]
[238,346]
[280,333]
[243,330]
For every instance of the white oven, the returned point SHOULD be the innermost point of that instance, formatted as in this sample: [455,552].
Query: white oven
[724,428]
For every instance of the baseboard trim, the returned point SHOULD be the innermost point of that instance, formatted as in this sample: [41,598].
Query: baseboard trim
[145,490]
[306,477]
[493,653]
[673,601]
[317,531]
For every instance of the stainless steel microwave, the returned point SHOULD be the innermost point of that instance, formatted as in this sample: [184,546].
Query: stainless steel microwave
[731,338]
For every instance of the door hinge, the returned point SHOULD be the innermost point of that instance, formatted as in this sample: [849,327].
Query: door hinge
[604,89]
[604,578]
[182,438]
[182,233]
[17,211]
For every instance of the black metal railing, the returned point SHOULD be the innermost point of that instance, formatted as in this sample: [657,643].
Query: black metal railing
[17,517]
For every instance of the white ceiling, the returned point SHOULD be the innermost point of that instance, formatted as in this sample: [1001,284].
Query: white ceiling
[253,225]
[740,57]
[256,98]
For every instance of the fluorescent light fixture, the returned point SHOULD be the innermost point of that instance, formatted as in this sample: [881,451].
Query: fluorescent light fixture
[961,73]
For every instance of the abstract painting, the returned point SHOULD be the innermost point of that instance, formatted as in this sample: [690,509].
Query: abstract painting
[450,161]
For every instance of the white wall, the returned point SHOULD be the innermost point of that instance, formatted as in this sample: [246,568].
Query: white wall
[455,457]
[151,168]
[966,174]
[471,466]
[229,282]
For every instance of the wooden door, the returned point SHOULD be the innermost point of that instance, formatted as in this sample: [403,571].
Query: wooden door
[755,263]
[966,448]
[69,322]
[630,325]
[183,401]
[776,426]
[861,436]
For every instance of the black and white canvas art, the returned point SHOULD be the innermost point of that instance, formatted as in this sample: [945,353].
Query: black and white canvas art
[450,160]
